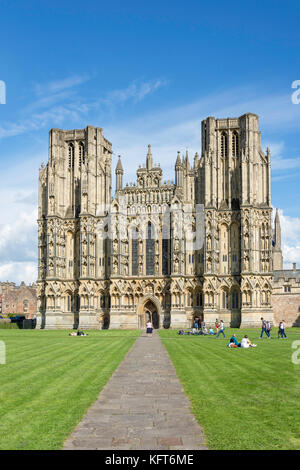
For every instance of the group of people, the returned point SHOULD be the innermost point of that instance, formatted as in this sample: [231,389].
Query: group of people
[197,332]
[245,342]
[266,327]
[199,328]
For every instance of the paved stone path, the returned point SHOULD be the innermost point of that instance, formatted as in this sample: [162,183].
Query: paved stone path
[142,406]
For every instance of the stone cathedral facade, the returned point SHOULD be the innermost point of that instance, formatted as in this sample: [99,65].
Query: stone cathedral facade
[202,246]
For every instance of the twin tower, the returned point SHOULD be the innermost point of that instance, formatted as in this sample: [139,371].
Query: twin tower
[200,247]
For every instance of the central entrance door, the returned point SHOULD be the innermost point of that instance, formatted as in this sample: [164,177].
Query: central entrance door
[151,314]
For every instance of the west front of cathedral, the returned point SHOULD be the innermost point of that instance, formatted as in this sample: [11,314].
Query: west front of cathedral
[203,246]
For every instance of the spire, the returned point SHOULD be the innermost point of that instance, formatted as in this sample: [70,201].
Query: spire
[187,163]
[119,167]
[178,171]
[277,237]
[149,161]
[277,253]
[119,175]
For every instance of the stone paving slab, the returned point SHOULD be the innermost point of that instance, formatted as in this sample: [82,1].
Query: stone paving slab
[142,406]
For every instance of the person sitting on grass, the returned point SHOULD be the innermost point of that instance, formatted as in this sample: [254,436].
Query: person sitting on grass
[81,333]
[211,332]
[72,333]
[246,343]
[204,330]
[233,342]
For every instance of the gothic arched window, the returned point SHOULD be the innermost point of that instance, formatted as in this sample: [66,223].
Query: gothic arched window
[224,145]
[235,300]
[225,299]
[71,155]
[235,144]
[149,251]
[81,154]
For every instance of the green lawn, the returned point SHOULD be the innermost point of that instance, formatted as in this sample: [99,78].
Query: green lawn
[243,398]
[49,381]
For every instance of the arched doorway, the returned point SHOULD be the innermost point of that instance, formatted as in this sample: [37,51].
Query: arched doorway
[149,310]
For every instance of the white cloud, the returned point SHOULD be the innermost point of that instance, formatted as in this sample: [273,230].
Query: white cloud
[290,236]
[18,272]
[59,85]
[57,104]
[18,223]
[178,128]
[278,161]
[18,238]
[291,254]
[290,227]
[136,91]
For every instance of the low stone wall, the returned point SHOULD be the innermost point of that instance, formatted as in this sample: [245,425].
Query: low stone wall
[286,307]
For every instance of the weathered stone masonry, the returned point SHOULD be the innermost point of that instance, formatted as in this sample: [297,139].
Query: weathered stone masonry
[201,246]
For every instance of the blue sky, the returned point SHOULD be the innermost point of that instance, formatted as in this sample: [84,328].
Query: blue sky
[147,72]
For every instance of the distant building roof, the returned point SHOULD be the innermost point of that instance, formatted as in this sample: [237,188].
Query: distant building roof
[287,273]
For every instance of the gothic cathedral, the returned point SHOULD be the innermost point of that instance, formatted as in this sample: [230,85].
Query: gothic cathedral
[200,247]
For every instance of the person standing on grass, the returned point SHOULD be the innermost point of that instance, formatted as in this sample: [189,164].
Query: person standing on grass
[282,329]
[264,328]
[222,328]
[149,328]
[217,324]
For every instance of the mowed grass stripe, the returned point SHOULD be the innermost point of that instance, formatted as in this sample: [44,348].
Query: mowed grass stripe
[46,393]
[244,399]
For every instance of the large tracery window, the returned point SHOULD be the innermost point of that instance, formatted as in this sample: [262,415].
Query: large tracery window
[166,247]
[149,251]
[134,252]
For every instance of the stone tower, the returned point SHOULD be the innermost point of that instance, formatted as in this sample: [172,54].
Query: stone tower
[74,193]
[237,200]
